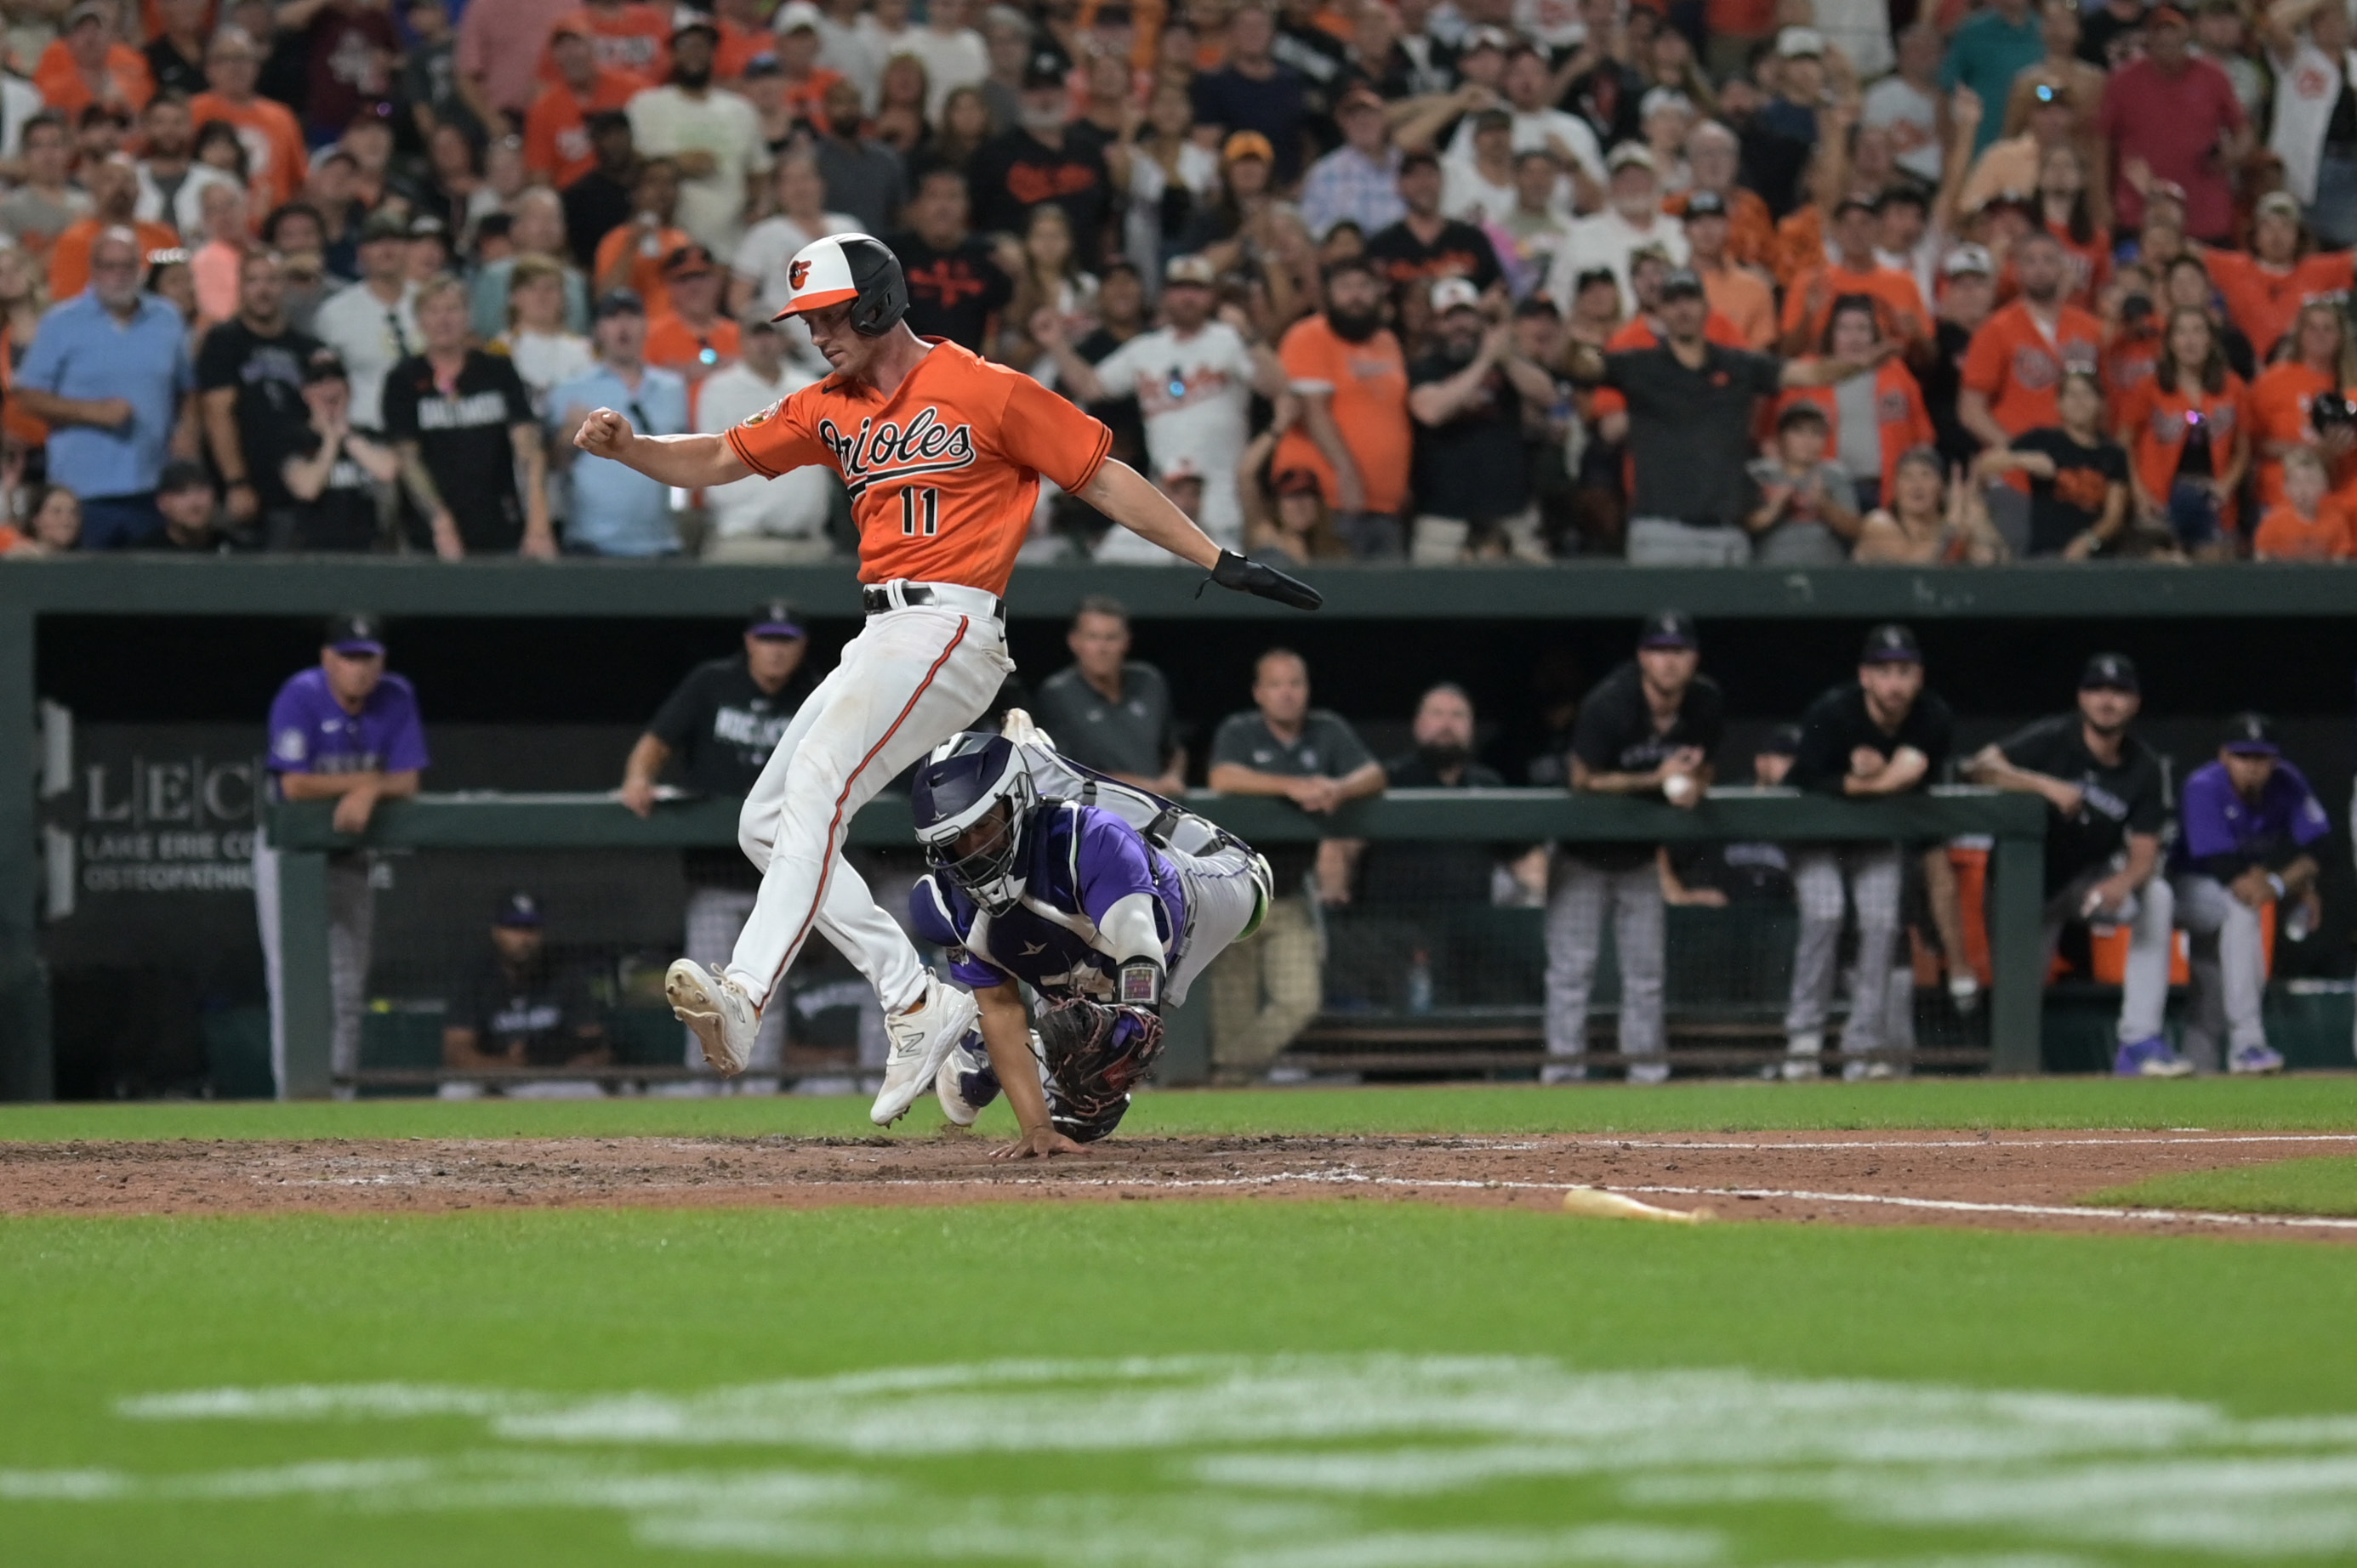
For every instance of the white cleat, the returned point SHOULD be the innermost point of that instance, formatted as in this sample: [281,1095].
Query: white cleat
[1019,727]
[716,1010]
[921,1041]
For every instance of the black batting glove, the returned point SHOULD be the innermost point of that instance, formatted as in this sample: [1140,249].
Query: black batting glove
[1234,571]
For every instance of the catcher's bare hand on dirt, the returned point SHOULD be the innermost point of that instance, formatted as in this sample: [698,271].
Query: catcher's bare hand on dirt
[604,433]
[1042,1143]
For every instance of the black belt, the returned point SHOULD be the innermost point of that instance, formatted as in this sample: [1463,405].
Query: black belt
[876,601]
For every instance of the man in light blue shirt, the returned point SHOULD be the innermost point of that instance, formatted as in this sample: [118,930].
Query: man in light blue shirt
[109,373]
[616,511]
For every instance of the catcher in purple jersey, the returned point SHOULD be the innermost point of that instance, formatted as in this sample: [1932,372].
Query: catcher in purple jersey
[1104,899]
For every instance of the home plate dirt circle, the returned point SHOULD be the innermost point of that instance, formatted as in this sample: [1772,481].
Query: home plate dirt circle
[2011,1180]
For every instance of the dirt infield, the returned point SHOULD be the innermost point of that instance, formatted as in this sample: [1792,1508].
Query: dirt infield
[2018,1180]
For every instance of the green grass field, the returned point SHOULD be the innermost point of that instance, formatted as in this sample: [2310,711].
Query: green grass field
[2325,1186]
[2302,1104]
[1282,1385]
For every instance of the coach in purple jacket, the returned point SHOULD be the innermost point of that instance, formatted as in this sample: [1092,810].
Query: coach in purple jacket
[2246,823]
[344,731]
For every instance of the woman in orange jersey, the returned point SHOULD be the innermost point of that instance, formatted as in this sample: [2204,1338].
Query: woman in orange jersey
[2187,435]
[2320,370]
[2264,287]
[942,453]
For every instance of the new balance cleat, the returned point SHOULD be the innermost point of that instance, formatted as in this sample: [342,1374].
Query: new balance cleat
[921,1041]
[717,1010]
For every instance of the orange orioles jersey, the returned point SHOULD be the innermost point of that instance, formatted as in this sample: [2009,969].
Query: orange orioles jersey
[944,473]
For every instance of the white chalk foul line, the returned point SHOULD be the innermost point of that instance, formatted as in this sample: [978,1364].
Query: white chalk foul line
[1606,1141]
[1954,1205]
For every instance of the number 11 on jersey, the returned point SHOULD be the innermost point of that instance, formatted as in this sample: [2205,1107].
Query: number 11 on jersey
[911,500]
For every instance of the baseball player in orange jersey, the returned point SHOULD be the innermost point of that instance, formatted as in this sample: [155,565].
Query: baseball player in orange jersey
[942,453]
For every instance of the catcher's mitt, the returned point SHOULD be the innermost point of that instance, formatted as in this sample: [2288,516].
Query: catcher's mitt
[1097,1053]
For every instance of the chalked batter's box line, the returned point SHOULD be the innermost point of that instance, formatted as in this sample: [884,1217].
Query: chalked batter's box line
[1941,1176]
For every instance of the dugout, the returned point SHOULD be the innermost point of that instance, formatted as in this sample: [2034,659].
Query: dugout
[132,691]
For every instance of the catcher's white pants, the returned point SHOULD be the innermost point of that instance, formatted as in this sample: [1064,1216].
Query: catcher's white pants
[1220,897]
[910,680]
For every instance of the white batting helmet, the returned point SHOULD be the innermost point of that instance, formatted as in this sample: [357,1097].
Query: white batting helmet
[858,269]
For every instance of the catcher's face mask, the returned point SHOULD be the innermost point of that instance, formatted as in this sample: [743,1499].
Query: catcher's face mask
[983,860]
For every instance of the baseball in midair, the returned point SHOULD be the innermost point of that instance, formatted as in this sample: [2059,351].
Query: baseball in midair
[1679,787]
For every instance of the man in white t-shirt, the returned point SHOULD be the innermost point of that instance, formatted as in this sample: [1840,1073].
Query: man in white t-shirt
[1907,104]
[1481,189]
[373,324]
[715,137]
[953,54]
[844,44]
[759,521]
[1537,123]
[1630,221]
[757,278]
[1193,378]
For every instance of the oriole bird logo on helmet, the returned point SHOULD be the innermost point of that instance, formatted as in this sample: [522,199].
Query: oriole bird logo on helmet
[856,269]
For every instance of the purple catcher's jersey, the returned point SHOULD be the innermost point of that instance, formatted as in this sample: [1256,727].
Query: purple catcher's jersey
[1079,863]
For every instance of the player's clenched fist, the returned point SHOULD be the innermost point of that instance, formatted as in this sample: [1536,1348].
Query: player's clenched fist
[604,433]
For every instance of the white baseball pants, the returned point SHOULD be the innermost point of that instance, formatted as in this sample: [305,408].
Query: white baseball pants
[910,680]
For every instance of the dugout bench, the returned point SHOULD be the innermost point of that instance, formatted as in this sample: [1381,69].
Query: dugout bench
[304,834]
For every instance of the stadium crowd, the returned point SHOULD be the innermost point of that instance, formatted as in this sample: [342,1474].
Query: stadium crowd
[1792,282]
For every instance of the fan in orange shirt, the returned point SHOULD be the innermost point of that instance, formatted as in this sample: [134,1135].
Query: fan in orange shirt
[87,64]
[942,453]
[692,337]
[625,35]
[631,255]
[277,160]
[2016,363]
[113,187]
[556,130]
[2284,401]
[2308,524]
[2265,288]
[2187,435]
[1809,305]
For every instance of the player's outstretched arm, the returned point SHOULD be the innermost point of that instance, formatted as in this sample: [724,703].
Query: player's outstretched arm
[1007,1035]
[682,462]
[1123,494]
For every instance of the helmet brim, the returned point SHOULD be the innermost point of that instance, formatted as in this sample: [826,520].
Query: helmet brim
[820,301]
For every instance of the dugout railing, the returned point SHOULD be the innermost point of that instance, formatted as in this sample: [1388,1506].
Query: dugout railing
[579,824]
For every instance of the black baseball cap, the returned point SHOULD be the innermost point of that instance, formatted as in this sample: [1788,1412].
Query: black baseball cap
[1891,643]
[355,632]
[774,619]
[621,302]
[1048,67]
[519,911]
[1682,283]
[1784,740]
[1669,628]
[2109,671]
[2250,735]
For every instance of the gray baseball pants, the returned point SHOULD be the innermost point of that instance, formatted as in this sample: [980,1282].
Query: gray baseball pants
[352,930]
[1870,875]
[2150,916]
[2228,967]
[1574,935]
